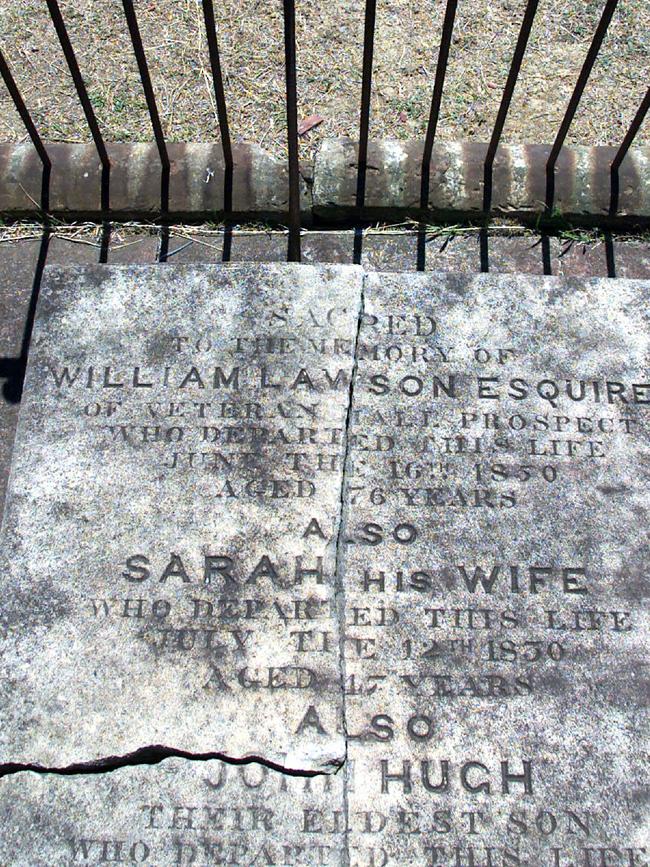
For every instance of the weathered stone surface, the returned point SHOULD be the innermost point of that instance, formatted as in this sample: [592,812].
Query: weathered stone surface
[169,539]
[198,181]
[491,585]
[176,813]
[495,571]
[394,178]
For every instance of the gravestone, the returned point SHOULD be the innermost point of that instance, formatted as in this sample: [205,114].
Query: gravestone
[178,812]
[496,573]
[170,533]
[475,641]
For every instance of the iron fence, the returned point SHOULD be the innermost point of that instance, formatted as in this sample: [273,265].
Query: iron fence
[294,215]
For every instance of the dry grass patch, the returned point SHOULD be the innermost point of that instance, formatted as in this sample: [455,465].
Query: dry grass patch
[329,38]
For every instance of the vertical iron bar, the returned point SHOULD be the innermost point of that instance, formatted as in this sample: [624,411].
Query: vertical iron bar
[610,255]
[292,129]
[217,80]
[222,114]
[105,242]
[364,120]
[31,130]
[436,99]
[432,126]
[639,117]
[506,99]
[141,59]
[547,263]
[82,93]
[366,90]
[576,96]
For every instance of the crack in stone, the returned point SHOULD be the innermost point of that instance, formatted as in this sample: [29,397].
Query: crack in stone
[339,586]
[154,755]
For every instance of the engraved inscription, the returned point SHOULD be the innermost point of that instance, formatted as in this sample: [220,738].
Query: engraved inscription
[494,630]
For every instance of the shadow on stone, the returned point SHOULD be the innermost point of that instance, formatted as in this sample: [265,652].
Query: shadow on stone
[610,255]
[12,370]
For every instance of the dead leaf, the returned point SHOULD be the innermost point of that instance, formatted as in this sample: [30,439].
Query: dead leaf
[309,123]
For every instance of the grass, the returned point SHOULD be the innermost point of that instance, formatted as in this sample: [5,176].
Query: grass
[329,35]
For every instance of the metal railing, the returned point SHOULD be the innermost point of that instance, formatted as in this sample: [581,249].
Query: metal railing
[294,221]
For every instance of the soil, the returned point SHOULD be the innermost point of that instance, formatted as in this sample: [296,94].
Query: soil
[329,46]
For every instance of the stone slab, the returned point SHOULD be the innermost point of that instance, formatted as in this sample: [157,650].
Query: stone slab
[181,436]
[582,192]
[491,601]
[495,571]
[198,184]
[176,813]
[21,267]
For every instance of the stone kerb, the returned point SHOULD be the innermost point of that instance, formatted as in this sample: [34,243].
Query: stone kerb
[259,184]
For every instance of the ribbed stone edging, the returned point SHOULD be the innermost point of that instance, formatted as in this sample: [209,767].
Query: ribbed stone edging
[260,185]
[329,186]
[393,181]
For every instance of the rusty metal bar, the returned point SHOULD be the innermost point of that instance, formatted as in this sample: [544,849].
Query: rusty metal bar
[506,99]
[26,118]
[84,99]
[639,117]
[292,129]
[145,78]
[436,99]
[576,96]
